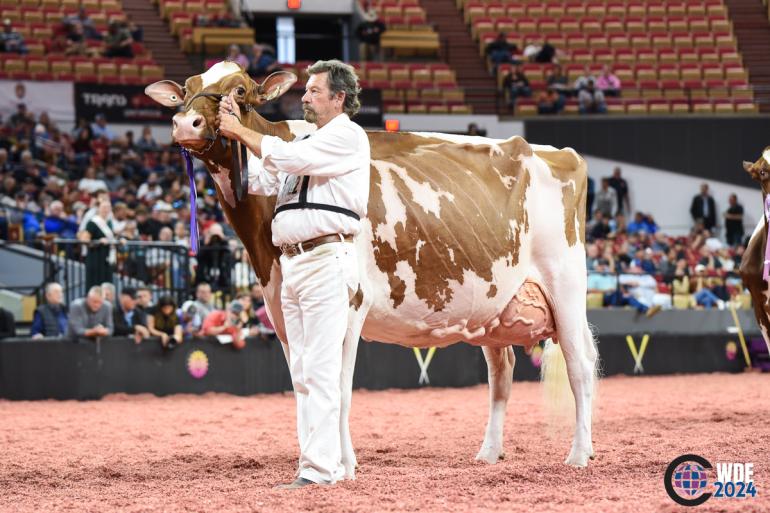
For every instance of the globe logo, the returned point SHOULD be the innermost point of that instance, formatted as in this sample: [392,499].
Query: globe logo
[198,364]
[690,479]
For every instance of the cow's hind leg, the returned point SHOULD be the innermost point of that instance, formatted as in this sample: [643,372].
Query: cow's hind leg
[567,298]
[500,362]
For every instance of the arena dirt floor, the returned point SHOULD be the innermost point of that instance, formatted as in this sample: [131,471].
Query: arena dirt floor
[415,449]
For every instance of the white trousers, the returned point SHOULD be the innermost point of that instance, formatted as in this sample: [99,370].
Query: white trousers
[315,297]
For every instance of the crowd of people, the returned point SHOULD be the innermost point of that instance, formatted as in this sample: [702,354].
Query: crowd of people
[131,312]
[260,62]
[633,263]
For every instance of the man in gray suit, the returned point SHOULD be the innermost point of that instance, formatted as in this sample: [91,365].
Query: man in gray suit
[90,316]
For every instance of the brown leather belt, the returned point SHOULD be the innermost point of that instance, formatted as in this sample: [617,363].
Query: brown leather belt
[291,250]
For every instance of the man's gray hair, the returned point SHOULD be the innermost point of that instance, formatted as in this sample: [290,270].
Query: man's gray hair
[96,290]
[342,78]
[52,285]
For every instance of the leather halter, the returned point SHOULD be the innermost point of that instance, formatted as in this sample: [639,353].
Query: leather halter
[237,150]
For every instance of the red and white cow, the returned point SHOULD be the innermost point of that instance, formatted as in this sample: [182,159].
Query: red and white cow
[467,239]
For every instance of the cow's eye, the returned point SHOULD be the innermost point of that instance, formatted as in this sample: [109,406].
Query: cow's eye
[240,91]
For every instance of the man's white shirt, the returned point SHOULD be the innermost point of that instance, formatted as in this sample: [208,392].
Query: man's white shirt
[336,158]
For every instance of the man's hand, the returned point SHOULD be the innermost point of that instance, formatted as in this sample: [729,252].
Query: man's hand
[229,117]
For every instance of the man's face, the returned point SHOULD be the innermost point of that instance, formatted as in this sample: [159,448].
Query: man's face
[203,294]
[94,302]
[143,297]
[246,302]
[127,302]
[54,296]
[318,107]
[704,189]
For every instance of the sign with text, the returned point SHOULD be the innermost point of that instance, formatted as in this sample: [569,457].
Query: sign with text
[118,103]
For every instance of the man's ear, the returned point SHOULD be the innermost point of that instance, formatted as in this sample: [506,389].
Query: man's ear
[166,92]
[274,86]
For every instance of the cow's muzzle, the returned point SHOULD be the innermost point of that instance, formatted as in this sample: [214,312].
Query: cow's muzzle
[189,130]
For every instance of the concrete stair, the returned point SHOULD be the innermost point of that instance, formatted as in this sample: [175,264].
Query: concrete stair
[752,30]
[460,51]
[158,39]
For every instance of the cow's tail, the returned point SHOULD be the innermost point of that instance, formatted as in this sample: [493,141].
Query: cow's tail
[558,400]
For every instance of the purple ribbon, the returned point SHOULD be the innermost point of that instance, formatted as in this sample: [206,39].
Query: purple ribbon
[193,203]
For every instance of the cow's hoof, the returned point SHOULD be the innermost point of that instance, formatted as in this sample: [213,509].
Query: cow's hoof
[490,455]
[577,459]
[350,471]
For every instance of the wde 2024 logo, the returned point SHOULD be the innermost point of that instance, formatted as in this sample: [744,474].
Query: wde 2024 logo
[687,480]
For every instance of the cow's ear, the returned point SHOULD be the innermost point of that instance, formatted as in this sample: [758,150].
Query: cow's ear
[275,85]
[747,166]
[166,92]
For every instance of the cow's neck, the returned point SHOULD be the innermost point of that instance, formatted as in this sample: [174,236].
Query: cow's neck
[252,216]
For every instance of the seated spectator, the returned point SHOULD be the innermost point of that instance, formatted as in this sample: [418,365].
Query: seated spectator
[190,319]
[591,100]
[10,40]
[50,319]
[128,318]
[583,80]
[144,299]
[234,54]
[57,223]
[204,300]
[546,55]
[638,225]
[598,228]
[262,61]
[85,22]
[215,260]
[637,290]
[7,324]
[99,128]
[602,281]
[608,83]
[368,33]
[118,41]
[91,316]
[556,79]
[702,293]
[220,322]
[24,215]
[550,102]
[163,322]
[147,141]
[108,293]
[500,51]
[516,84]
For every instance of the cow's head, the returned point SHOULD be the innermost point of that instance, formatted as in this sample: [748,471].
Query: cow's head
[194,127]
[760,170]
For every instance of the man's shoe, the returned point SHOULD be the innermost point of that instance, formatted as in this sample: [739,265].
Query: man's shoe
[297,483]
[653,310]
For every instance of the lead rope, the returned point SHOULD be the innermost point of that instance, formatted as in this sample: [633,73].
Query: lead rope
[193,203]
[766,266]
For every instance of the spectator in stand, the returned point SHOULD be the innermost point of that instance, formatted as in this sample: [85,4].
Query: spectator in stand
[75,40]
[50,319]
[263,61]
[234,54]
[190,319]
[369,33]
[150,190]
[703,295]
[100,129]
[500,51]
[607,199]
[90,317]
[583,80]
[601,280]
[590,196]
[639,224]
[144,299]
[516,84]
[703,208]
[734,221]
[108,293]
[608,83]
[57,223]
[147,141]
[548,54]
[85,22]
[620,185]
[591,100]
[83,147]
[7,324]
[101,257]
[598,228]
[118,41]
[25,216]
[128,318]
[556,79]
[204,300]
[10,40]
[550,102]
[163,322]
[215,260]
[220,322]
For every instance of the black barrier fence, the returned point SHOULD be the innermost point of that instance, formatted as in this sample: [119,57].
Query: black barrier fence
[89,370]
[166,268]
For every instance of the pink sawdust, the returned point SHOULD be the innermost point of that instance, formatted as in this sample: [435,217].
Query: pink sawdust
[415,450]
